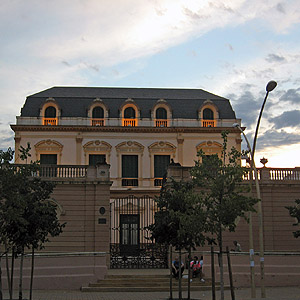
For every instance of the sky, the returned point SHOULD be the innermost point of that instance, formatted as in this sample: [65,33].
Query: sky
[229,48]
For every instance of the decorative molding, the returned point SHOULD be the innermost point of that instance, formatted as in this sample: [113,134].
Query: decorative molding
[130,146]
[210,147]
[162,147]
[66,128]
[48,146]
[97,146]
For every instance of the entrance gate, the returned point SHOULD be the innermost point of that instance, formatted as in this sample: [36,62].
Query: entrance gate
[130,242]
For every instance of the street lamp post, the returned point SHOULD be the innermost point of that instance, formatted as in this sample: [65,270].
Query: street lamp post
[270,87]
[251,248]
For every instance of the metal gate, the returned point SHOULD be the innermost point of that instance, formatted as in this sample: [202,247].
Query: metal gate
[130,244]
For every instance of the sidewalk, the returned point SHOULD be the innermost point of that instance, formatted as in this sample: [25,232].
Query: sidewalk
[275,293]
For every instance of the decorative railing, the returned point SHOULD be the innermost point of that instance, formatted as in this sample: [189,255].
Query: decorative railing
[284,174]
[130,182]
[208,123]
[130,122]
[161,123]
[50,121]
[158,181]
[58,171]
[97,122]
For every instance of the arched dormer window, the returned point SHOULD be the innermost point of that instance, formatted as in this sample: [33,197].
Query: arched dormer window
[98,112]
[98,116]
[161,113]
[129,113]
[208,114]
[50,112]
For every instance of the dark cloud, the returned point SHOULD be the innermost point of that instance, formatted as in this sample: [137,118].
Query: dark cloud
[280,8]
[66,63]
[291,95]
[274,138]
[287,119]
[274,58]
[246,107]
[193,15]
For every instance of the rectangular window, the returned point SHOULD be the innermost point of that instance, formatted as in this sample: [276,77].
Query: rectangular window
[161,163]
[129,170]
[48,159]
[96,158]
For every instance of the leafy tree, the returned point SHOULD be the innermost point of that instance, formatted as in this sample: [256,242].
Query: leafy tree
[180,220]
[219,182]
[27,218]
[294,212]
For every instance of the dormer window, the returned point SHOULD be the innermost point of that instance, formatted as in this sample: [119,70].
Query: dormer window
[161,117]
[208,114]
[98,116]
[97,112]
[129,117]
[50,116]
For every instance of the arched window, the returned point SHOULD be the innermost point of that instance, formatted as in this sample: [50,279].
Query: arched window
[161,117]
[98,112]
[129,113]
[50,112]
[208,114]
[50,117]
[161,113]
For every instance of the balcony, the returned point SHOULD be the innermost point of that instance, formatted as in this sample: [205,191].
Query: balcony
[97,122]
[50,121]
[130,122]
[161,123]
[208,123]
[130,182]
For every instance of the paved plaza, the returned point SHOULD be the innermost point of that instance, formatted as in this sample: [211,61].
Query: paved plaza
[278,293]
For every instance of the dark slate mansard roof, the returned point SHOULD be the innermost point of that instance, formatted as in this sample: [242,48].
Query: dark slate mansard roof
[74,101]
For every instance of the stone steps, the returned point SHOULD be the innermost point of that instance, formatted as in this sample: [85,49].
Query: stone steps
[143,283]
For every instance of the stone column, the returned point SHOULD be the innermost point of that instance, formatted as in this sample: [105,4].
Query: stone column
[78,149]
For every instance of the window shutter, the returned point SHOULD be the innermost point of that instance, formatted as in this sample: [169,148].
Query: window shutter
[129,166]
[161,163]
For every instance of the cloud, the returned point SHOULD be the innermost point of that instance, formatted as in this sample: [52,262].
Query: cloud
[274,58]
[274,138]
[291,95]
[287,119]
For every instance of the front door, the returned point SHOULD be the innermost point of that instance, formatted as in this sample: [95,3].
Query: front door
[129,234]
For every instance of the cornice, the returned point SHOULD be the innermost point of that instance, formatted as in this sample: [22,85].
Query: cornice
[64,128]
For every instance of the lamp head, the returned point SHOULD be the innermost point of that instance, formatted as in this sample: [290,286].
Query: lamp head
[271,86]
[236,125]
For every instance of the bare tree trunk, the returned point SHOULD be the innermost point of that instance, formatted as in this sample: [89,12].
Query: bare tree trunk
[171,277]
[189,275]
[7,271]
[1,296]
[31,275]
[21,276]
[12,273]
[221,264]
[213,279]
[179,288]
[230,274]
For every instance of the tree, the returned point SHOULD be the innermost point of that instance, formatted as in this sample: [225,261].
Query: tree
[219,181]
[294,212]
[180,220]
[27,217]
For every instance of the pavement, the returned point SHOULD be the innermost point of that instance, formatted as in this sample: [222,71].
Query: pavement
[274,293]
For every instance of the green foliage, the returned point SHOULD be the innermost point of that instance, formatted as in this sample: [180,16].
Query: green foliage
[26,217]
[294,212]
[220,189]
[181,217]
